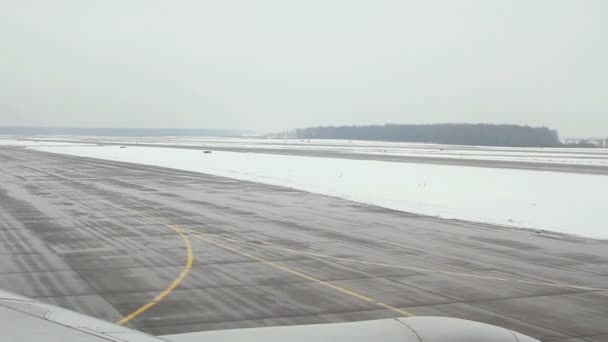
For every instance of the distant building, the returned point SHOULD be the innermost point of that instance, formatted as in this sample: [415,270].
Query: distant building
[599,142]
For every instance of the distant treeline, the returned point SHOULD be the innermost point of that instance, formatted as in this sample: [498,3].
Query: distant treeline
[119,132]
[453,134]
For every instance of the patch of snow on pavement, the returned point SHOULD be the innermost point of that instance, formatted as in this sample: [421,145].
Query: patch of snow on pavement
[561,202]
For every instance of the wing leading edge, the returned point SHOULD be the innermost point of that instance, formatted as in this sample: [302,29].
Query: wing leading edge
[24,319]
[411,329]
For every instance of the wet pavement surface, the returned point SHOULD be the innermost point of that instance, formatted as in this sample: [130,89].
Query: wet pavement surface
[177,251]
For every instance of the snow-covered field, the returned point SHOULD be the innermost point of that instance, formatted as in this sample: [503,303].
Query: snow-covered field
[582,156]
[561,202]
[32,143]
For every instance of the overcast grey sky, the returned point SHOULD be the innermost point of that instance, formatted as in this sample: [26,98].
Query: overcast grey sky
[278,64]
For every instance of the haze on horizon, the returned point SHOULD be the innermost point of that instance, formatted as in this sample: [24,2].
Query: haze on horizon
[273,64]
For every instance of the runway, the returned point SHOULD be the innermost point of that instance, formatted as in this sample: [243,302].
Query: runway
[167,251]
[433,160]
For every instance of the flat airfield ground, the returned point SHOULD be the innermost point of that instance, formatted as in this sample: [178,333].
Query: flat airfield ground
[109,239]
[434,160]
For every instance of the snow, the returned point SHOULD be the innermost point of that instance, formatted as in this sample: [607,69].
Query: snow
[32,143]
[580,156]
[561,202]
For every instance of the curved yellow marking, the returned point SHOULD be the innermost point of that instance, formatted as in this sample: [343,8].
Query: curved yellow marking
[173,285]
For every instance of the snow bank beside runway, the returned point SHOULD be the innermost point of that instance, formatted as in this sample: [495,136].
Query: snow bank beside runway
[569,156]
[33,143]
[561,202]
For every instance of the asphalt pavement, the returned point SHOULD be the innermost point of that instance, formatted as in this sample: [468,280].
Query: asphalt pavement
[168,251]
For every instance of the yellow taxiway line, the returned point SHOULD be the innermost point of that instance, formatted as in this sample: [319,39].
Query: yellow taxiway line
[300,274]
[173,285]
[419,269]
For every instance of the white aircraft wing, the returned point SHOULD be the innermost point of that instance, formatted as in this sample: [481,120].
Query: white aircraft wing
[23,319]
[411,329]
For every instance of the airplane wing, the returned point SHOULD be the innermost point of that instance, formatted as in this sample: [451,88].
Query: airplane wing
[411,329]
[24,319]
